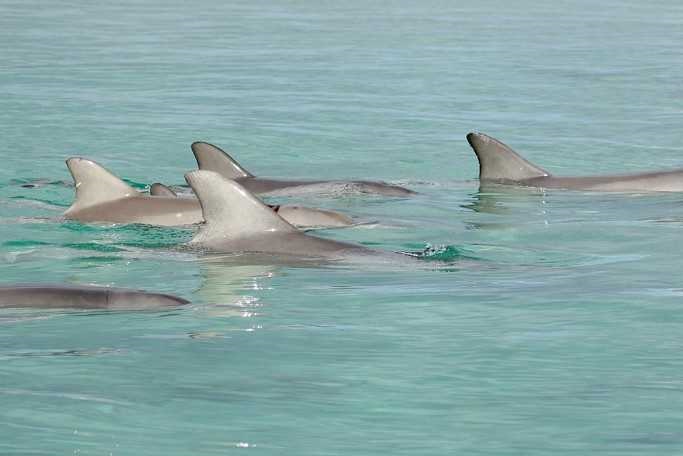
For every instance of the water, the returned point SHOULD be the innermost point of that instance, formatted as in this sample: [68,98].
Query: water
[556,331]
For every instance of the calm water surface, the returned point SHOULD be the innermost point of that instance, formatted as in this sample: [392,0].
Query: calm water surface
[557,330]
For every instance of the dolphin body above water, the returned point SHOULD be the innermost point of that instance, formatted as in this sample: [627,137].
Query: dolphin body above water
[84,297]
[212,158]
[103,197]
[299,216]
[259,230]
[498,163]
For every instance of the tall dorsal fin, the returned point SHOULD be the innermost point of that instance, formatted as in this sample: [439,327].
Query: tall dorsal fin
[94,184]
[497,161]
[157,189]
[212,158]
[230,211]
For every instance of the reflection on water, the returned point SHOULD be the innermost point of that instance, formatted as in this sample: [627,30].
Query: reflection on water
[509,206]
[230,286]
[502,199]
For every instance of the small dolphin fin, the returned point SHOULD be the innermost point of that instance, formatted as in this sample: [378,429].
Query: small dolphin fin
[94,184]
[497,161]
[230,211]
[212,158]
[157,189]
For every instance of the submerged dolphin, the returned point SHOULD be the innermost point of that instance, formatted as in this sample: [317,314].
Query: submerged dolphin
[84,297]
[499,163]
[212,158]
[103,197]
[259,230]
[299,216]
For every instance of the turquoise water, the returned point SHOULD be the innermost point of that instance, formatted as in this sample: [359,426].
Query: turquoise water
[556,331]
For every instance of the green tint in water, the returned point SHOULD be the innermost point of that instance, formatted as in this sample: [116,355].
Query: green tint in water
[446,253]
[24,243]
[554,327]
[93,246]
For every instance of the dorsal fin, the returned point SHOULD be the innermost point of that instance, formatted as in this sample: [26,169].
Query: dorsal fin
[230,211]
[497,161]
[157,189]
[94,184]
[212,158]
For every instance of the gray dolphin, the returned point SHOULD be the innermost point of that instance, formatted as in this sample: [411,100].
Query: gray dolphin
[84,297]
[158,189]
[500,164]
[103,197]
[212,158]
[305,218]
[259,230]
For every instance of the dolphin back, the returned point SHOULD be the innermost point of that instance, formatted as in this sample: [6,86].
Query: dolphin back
[310,218]
[499,162]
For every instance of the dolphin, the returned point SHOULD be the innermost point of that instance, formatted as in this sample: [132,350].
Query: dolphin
[84,297]
[212,158]
[259,230]
[498,163]
[305,218]
[103,197]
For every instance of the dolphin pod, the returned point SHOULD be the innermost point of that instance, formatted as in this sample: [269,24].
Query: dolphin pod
[500,164]
[212,158]
[103,197]
[233,220]
[84,297]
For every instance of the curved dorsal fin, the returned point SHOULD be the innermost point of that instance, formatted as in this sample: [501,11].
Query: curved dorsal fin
[94,184]
[212,158]
[157,189]
[230,211]
[497,161]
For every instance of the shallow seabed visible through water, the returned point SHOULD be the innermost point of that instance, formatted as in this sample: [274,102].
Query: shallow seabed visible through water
[557,329]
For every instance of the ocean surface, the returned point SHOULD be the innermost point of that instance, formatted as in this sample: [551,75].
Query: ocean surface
[541,323]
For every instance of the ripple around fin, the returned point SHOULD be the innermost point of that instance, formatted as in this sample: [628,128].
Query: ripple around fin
[38,202]
[134,234]
[39,182]
[442,253]
[58,395]
[136,185]
[64,352]
[25,243]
